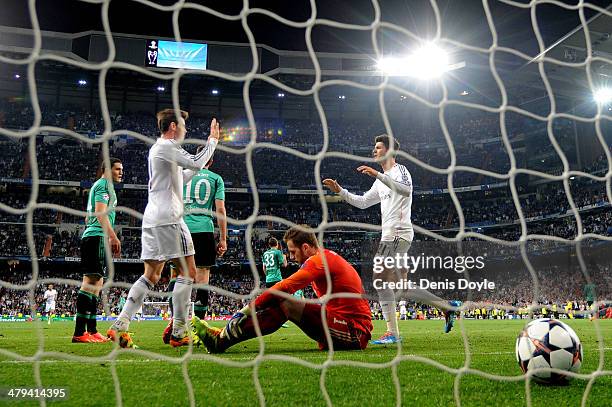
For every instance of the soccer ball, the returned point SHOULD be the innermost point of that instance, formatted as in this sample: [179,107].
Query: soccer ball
[124,340]
[548,343]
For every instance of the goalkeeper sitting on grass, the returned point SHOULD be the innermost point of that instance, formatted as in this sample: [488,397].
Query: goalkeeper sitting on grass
[349,319]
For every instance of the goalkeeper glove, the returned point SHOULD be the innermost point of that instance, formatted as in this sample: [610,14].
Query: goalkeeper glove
[233,328]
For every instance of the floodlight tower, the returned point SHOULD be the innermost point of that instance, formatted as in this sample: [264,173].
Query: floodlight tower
[427,62]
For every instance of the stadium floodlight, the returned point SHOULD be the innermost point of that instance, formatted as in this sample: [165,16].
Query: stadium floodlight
[82,82]
[161,89]
[281,95]
[215,92]
[342,97]
[603,95]
[429,61]
[464,93]
[17,76]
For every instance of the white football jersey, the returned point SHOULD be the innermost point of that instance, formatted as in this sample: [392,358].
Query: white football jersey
[395,206]
[167,159]
[50,296]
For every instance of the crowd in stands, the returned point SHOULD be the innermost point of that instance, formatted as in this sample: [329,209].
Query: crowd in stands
[66,242]
[557,285]
[422,140]
[13,240]
[542,208]
[475,144]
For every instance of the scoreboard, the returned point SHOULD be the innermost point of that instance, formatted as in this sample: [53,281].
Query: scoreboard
[173,54]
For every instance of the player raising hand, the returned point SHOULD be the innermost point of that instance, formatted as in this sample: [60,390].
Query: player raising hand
[165,235]
[393,190]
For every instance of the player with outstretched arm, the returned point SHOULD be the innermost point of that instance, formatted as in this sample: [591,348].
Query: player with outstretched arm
[205,190]
[393,190]
[165,235]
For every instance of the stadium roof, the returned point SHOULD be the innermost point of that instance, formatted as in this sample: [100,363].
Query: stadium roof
[353,55]
[572,47]
[462,20]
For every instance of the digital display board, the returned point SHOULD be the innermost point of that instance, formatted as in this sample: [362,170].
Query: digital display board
[172,54]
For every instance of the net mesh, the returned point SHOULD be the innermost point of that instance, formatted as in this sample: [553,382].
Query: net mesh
[374,27]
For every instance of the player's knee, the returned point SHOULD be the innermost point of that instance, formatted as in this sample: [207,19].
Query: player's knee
[386,294]
[153,271]
[285,306]
[292,309]
[153,277]
[91,283]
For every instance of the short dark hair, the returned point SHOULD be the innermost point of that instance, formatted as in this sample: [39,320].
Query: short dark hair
[385,139]
[167,116]
[113,161]
[299,237]
[272,242]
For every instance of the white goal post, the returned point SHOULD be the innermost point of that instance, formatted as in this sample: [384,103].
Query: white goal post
[328,366]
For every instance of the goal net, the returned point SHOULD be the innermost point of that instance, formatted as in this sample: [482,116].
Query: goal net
[455,227]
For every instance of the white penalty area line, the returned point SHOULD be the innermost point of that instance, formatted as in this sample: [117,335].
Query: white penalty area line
[320,356]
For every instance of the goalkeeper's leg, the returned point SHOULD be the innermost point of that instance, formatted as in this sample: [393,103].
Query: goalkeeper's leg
[343,332]
[240,328]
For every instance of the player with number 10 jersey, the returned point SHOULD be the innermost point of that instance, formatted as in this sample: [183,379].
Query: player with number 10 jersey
[204,196]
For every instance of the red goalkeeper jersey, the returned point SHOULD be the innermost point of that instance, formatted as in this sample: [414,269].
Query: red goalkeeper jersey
[344,279]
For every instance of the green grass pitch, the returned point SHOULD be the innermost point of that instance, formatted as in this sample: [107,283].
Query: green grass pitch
[146,381]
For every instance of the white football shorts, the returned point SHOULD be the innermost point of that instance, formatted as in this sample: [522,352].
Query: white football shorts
[166,242]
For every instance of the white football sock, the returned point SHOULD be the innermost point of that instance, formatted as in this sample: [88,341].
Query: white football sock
[180,300]
[133,303]
[388,310]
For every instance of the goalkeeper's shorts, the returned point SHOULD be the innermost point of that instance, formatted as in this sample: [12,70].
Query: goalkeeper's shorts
[346,334]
